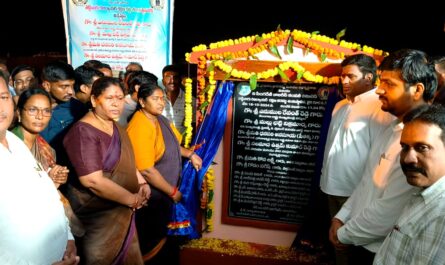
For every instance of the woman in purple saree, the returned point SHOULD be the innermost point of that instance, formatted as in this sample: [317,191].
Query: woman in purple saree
[108,188]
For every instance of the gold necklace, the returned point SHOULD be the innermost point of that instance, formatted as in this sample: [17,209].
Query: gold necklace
[103,123]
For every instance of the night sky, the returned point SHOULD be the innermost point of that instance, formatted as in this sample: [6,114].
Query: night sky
[199,21]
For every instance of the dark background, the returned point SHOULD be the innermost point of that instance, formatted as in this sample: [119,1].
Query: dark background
[30,27]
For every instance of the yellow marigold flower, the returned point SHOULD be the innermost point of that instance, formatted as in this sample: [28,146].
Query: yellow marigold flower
[246,75]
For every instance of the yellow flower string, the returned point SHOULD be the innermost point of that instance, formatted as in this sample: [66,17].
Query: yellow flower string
[188,113]
[300,70]
[210,185]
[270,39]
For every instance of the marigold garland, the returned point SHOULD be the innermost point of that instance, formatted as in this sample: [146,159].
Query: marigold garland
[188,113]
[210,184]
[206,84]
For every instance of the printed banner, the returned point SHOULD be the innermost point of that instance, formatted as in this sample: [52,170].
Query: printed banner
[117,32]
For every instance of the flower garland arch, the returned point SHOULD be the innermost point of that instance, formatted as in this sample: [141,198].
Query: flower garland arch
[218,56]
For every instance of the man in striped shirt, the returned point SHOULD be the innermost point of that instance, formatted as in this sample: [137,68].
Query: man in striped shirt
[418,236]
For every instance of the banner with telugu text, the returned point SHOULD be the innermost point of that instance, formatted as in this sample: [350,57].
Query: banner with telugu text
[117,32]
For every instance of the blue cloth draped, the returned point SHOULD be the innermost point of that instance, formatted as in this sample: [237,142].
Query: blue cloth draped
[210,133]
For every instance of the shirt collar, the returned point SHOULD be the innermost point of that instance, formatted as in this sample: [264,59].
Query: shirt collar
[363,95]
[432,192]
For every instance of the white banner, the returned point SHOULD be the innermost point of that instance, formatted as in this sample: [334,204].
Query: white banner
[117,32]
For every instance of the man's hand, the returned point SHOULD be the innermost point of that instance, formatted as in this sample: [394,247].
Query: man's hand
[335,225]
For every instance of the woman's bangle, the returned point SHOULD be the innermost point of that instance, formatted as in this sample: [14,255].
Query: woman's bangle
[190,156]
[135,204]
[175,189]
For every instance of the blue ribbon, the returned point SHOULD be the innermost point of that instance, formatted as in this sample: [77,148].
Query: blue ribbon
[210,133]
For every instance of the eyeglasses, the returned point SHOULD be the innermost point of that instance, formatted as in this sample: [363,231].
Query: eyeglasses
[34,111]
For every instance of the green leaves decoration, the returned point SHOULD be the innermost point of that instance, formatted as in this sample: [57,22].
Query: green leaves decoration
[253,81]
[227,76]
[300,74]
[211,66]
[290,44]
[283,75]
[258,38]
[211,195]
[323,57]
[203,107]
[340,34]
[274,51]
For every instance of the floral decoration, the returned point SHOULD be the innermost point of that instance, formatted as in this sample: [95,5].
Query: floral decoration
[188,112]
[212,57]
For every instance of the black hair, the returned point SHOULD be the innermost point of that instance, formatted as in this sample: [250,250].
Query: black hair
[365,63]
[27,94]
[84,76]
[139,78]
[101,84]
[57,71]
[146,90]
[92,64]
[21,68]
[170,68]
[134,63]
[414,68]
[431,114]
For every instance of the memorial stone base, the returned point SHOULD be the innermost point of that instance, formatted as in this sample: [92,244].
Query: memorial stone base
[210,251]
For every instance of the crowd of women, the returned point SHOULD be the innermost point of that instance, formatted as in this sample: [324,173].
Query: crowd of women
[117,184]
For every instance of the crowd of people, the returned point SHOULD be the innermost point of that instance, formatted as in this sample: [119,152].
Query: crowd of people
[92,188]
[384,202]
[101,157]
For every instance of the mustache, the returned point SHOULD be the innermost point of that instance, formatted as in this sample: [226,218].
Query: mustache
[412,168]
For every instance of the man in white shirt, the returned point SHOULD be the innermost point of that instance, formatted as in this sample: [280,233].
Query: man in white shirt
[33,225]
[418,237]
[356,122]
[407,81]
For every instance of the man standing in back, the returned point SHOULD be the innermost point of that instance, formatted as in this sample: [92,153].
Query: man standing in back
[407,81]
[356,122]
[58,80]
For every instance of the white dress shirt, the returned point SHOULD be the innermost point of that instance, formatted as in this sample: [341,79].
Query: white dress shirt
[353,129]
[33,225]
[373,208]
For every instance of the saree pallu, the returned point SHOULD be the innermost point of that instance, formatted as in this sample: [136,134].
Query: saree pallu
[152,220]
[110,236]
